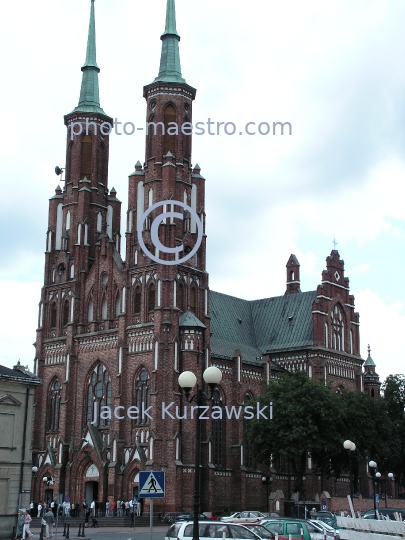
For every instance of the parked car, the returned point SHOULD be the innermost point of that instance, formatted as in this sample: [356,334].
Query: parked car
[214,516]
[385,512]
[322,527]
[324,514]
[190,517]
[293,527]
[248,516]
[287,527]
[210,530]
[260,530]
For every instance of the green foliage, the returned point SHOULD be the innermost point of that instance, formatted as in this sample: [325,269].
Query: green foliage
[309,417]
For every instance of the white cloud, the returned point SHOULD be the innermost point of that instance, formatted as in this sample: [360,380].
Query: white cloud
[18,321]
[382,326]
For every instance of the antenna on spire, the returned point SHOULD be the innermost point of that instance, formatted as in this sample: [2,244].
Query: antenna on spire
[368,349]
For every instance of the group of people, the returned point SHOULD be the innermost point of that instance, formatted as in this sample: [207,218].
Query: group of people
[66,509]
[24,522]
[48,511]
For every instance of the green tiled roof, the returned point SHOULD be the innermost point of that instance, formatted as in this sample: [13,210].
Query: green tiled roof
[189,320]
[170,69]
[260,326]
[369,362]
[89,101]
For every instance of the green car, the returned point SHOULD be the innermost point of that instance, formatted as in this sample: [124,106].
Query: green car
[290,526]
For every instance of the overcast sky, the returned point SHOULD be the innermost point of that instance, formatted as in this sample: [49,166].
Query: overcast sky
[333,69]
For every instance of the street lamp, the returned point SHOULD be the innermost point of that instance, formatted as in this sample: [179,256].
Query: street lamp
[267,480]
[373,466]
[187,380]
[350,447]
[390,477]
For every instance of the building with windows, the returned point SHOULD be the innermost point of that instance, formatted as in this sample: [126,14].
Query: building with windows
[17,387]
[114,334]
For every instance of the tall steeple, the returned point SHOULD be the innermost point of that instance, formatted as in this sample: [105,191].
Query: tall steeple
[89,100]
[170,69]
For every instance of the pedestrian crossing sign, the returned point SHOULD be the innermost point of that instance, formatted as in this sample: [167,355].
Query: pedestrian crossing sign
[151,484]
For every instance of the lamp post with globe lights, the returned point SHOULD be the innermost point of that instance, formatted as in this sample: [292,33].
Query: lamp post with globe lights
[373,467]
[350,447]
[187,380]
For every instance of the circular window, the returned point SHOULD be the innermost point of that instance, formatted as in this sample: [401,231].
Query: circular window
[99,389]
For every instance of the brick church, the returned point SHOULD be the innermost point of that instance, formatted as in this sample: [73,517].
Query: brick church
[116,332]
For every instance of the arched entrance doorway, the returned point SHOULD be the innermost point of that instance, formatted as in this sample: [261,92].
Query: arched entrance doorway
[48,497]
[91,492]
[91,486]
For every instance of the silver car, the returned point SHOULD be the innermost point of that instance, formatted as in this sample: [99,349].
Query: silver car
[249,516]
[210,530]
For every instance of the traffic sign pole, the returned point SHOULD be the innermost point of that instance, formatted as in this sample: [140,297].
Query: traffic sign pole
[151,518]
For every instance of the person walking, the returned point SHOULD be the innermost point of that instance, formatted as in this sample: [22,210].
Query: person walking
[118,508]
[50,520]
[127,508]
[113,506]
[93,508]
[20,524]
[39,509]
[26,528]
[107,509]
[32,509]
[84,508]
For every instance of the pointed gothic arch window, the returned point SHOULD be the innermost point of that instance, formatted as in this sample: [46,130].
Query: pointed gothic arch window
[180,296]
[98,395]
[142,396]
[53,314]
[54,406]
[151,297]
[192,299]
[137,301]
[169,141]
[218,433]
[85,165]
[104,308]
[65,312]
[118,304]
[326,331]
[90,311]
[337,328]
[249,454]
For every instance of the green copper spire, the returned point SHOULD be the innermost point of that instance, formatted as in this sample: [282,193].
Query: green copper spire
[89,100]
[170,70]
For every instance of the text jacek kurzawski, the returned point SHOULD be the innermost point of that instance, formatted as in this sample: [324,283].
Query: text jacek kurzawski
[173,411]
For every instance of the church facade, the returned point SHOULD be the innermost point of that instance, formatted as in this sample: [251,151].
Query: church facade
[114,334]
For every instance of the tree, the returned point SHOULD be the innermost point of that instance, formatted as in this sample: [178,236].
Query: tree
[393,390]
[304,420]
[309,417]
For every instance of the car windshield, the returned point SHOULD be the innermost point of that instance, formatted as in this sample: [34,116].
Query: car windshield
[173,530]
[260,531]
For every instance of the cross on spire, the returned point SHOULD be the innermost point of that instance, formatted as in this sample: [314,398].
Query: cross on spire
[334,243]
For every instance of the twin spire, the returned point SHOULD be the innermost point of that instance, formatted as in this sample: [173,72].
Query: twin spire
[89,101]
[170,69]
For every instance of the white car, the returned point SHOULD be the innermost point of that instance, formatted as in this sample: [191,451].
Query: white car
[324,527]
[210,530]
[247,517]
